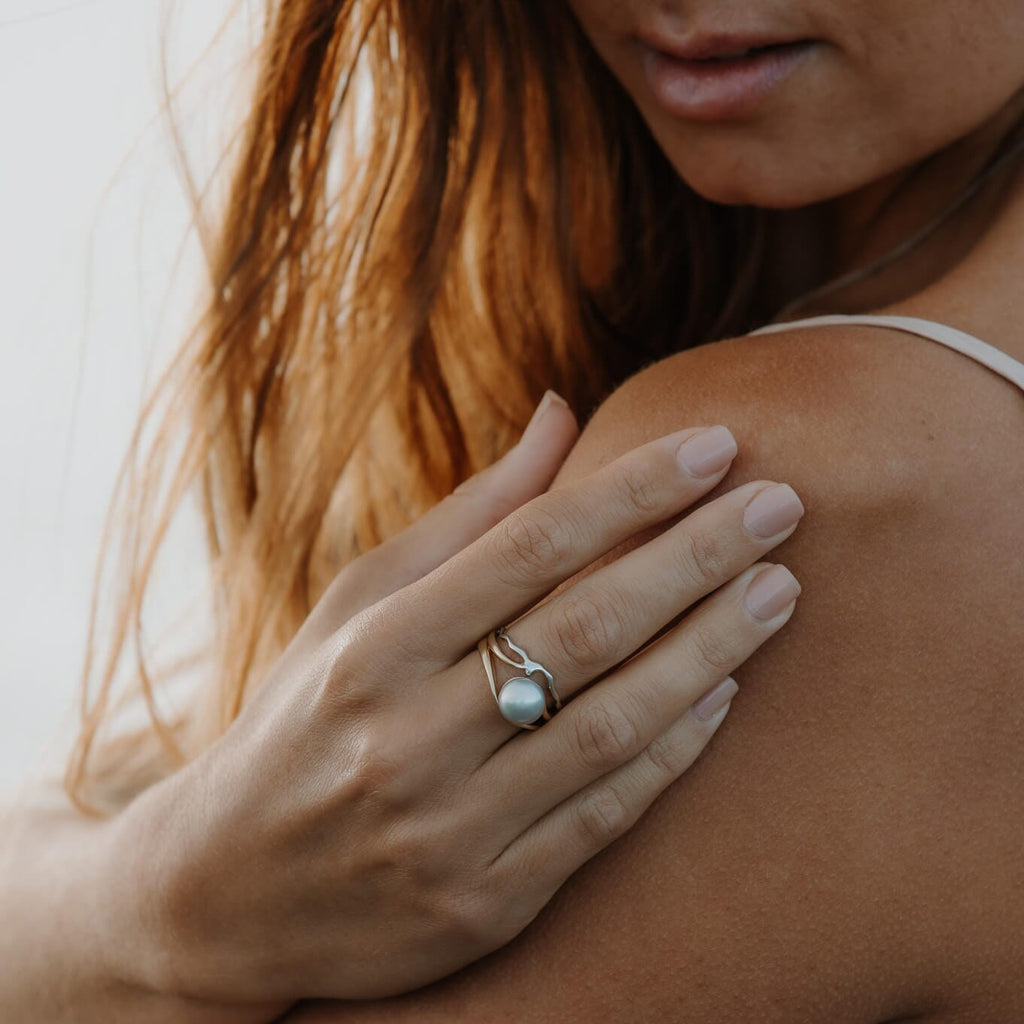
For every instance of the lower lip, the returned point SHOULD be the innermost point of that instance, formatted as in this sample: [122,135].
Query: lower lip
[700,90]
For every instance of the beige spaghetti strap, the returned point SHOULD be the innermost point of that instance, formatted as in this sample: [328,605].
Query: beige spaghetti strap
[988,355]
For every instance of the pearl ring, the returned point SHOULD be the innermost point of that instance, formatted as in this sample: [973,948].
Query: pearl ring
[521,700]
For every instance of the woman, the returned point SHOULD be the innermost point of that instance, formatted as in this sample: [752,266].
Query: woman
[544,199]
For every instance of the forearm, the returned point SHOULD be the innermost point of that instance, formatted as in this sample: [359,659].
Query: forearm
[68,935]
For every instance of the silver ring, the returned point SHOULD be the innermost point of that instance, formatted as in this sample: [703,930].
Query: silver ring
[521,700]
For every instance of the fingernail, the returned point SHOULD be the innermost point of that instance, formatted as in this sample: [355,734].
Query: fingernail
[550,398]
[771,593]
[707,452]
[715,699]
[772,511]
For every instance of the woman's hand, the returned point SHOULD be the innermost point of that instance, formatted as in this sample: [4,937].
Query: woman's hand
[370,822]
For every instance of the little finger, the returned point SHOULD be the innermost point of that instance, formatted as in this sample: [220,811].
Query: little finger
[570,835]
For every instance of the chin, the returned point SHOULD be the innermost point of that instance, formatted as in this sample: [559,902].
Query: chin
[739,183]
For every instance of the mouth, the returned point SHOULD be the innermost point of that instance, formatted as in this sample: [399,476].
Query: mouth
[734,55]
[702,46]
[718,78]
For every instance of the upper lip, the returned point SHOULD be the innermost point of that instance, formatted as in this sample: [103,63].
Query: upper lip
[711,44]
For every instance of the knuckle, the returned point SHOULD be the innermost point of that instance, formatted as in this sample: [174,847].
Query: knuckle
[605,737]
[586,631]
[603,815]
[703,559]
[668,756]
[370,775]
[399,855]
[714,649]
[407,856]
[529,544]
[637,488]
[341,687]
[466,920]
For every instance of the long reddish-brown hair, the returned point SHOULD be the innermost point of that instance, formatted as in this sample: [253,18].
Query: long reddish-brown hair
[439,208]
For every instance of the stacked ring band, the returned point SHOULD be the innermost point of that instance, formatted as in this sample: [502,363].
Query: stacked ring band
[521,700]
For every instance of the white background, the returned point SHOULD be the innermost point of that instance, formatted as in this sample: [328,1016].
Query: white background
[92,217]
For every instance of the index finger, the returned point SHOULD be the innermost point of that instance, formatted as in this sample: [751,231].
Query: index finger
[523,472]
[553,536]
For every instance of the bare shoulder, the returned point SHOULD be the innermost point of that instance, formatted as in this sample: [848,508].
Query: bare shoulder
[847,847]
[867,412]
[886,718]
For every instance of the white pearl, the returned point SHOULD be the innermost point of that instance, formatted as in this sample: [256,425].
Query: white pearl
[521,701]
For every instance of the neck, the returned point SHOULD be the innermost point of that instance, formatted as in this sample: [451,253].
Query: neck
[809,247]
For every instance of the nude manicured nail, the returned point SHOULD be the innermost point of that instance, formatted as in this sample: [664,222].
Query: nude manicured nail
[773,510]
[771,593]
[715,699]
[707,452]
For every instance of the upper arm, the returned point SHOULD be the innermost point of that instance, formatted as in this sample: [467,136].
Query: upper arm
[840,840]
